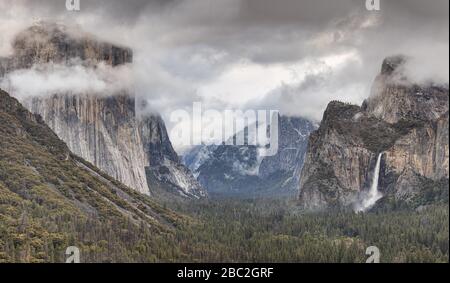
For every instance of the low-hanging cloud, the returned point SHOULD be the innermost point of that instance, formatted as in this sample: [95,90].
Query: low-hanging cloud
[48,79]
[432,68]
[336,78]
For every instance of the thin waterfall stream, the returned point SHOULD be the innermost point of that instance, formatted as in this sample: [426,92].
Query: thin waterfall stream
[373,195]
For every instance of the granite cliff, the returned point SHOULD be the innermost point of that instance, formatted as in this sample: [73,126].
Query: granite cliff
[405,122]
[104,129]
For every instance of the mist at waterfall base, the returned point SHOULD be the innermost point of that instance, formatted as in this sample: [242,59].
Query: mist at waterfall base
[373,195]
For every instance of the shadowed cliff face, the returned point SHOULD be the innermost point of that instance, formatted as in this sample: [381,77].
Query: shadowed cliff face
[406,122]
[165,171]
[101,128]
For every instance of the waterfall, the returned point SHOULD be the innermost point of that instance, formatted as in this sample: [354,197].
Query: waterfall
[374,195]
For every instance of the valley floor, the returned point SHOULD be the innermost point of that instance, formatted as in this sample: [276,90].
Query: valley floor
[276,231]
[236,231]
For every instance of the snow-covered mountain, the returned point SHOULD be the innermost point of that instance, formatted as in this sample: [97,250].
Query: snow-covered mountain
[230,170]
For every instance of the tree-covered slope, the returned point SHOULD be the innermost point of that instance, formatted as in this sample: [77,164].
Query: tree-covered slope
[51,199]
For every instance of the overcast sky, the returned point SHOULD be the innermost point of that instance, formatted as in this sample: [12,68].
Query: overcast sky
[289,55]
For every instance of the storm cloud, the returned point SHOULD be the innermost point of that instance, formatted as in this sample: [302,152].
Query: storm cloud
[289,55]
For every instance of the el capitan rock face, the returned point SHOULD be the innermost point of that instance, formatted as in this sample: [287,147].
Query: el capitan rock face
[104,129]
[407,123]
[38,168]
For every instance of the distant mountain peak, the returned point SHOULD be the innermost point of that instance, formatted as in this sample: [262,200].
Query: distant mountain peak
[240,171]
